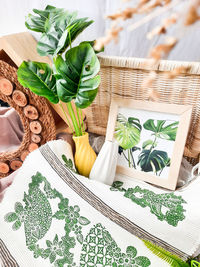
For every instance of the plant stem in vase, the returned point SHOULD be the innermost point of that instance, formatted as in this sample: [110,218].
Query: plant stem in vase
[72,76]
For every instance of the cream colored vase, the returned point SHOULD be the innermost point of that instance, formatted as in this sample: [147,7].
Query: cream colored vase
[84,155]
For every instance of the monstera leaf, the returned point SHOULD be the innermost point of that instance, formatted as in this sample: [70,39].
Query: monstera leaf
[92,43]
[153,160]
[127,132]
[79,75]
[59,28]
[37,23]
[148,144]
[161,130]
[39,79]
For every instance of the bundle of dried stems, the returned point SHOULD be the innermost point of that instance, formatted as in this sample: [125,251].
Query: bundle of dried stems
[152,9]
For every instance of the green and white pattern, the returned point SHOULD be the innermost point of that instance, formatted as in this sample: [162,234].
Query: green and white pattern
[51,216]
[98,246]
[172,204]
[37,218]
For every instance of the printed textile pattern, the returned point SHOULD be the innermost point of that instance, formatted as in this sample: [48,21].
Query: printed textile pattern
[98,248]
[167,206]
[37,217]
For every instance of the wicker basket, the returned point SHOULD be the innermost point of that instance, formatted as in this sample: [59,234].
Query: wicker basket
[123,77]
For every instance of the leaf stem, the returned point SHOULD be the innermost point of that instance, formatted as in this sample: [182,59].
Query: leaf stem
[73,118]
[129,162]
[132,159]
[152,146]
[70,126]
[82,121]
[70,41]
[79,121]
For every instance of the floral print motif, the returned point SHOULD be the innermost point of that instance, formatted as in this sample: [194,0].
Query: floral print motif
[97,249]
[37,218]
[167,206]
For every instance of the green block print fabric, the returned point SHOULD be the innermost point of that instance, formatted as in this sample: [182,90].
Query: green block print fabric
[100,248]
[166,207]
[36,216]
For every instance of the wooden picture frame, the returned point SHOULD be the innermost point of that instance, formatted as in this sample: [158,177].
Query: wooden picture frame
[183,113]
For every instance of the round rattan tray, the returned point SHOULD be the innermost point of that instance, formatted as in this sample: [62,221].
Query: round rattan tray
[33,137]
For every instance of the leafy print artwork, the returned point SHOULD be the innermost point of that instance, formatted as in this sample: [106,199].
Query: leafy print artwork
[142,153]
[161,130]
[127,133]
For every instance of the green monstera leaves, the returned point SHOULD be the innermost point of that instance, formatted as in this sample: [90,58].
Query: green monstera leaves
[74,72]
[59,29]
[38,77]
[129,132]
[78,75]
[161,130]
[153,161]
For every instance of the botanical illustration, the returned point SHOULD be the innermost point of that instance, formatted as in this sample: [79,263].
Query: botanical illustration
[166,207]
[98,248]
[68,163]
[147,154]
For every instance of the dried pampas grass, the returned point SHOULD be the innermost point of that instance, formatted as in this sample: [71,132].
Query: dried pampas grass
[192,15]
[152,9]
[125,14]
[162,50]
[162,29]
[112,35]
[177,71]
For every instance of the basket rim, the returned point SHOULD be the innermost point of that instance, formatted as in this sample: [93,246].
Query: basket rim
[146,64]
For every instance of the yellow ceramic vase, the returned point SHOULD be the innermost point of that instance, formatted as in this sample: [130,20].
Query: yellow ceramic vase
[84,155]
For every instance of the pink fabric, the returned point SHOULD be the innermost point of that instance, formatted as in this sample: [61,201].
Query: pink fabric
[5,183]
[11,129]
[11,135]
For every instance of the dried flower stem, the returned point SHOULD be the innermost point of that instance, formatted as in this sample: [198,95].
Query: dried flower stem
[162,29]
[192,14]
[153,15]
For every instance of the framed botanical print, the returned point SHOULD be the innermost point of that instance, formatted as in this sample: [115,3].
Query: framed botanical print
[151,139]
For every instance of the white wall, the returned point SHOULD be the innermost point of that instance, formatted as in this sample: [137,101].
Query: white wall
[13,12]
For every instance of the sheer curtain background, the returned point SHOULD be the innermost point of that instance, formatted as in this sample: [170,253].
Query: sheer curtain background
[134,44]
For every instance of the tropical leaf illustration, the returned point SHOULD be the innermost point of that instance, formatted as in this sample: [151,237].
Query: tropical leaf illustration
[148,144]
[127,132]
[161,130]
[153,160]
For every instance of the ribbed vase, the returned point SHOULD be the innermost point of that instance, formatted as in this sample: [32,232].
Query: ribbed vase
[84,155]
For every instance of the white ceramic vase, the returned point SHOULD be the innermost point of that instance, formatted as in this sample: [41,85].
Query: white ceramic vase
[104,168]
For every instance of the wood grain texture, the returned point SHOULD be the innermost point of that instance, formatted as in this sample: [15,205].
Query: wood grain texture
[6,87]
[31,112]
[19,98]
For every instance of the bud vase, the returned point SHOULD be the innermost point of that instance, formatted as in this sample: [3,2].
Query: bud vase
[84,155]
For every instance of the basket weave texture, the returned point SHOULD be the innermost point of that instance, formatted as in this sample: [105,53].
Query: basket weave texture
[45,116]
[123,77]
